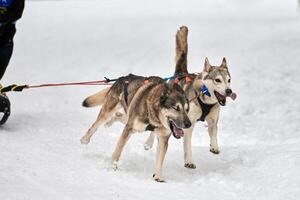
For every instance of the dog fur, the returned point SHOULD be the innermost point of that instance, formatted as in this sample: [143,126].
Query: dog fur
[155,105]
[216,79]
[113,101]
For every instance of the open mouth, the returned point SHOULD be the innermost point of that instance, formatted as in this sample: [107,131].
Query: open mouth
[221,98]
[176,131]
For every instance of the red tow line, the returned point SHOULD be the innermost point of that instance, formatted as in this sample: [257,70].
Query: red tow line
[19,88]
[101,82]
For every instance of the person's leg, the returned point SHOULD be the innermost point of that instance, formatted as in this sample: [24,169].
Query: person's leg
[6,48]
[5,55]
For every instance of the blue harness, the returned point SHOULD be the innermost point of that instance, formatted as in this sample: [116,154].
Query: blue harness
[204,107]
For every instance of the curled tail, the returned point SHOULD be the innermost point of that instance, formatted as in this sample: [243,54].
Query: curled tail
[181,50]
[96,99]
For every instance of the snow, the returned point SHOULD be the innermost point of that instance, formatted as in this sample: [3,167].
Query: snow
[61,41]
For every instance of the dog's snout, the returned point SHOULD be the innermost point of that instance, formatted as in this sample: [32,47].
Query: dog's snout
[187,124]
[228,91]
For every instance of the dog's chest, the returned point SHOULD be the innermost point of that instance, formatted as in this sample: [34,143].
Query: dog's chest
[139,125]
[195,111]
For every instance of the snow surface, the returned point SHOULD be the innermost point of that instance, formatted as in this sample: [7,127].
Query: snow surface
[58,41]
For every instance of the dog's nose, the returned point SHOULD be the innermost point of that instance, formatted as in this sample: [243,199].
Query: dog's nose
[187,124]
[228,91]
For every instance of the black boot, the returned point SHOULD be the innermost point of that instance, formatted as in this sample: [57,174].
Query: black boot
[4,108]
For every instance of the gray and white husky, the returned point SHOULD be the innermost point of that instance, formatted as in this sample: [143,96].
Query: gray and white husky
[207,90]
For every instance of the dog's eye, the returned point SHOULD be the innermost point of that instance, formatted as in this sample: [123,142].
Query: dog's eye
[218,80]
[177,108]
[229,80]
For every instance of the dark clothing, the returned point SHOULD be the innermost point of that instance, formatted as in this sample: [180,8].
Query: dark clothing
[7,33]
[5,55]
[10,12]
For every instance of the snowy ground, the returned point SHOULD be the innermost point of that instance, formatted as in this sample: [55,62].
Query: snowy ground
[259,136]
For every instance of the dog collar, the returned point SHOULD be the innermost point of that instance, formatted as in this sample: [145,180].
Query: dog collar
[204,90]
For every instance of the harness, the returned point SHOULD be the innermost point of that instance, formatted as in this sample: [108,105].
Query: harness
[204,107]
[150,127]
[205,91]
[126,83]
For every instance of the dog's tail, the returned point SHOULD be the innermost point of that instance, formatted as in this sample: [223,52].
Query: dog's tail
[181,50]
[96,99]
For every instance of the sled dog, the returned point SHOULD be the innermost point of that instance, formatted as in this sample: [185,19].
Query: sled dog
[208,91]
[145,104]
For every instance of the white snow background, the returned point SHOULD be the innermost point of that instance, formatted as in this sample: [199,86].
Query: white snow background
[64,41]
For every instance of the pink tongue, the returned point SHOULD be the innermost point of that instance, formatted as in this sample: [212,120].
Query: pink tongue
[232,96]
[178,132]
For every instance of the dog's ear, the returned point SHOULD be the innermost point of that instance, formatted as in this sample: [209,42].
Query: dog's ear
[165,94]
[224,63]
[163,98]
[207,65]
[177,88]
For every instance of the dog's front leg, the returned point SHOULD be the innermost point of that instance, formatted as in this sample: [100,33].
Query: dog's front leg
[121,143]
[149,143]
[212,130]
[187,146]
[161,152]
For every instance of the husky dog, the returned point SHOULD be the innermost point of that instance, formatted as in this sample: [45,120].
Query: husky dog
[149,104]
[207,91]
[114,101]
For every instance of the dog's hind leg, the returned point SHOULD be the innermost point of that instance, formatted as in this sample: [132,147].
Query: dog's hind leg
[161,153]
[108,109]
[149,143]
[127,131]
[187,146]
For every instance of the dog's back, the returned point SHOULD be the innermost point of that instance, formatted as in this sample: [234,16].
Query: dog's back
[114,91]
[123,89]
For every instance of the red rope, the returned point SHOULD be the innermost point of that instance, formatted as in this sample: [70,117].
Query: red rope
[101,82]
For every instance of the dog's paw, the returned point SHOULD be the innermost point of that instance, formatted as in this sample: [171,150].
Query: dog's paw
[115,165]
[147,146]
[84,140]
[158,178]
[190,165]
[214,150]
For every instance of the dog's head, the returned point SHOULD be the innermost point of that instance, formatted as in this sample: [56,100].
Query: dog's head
[217,80]
[174,108]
